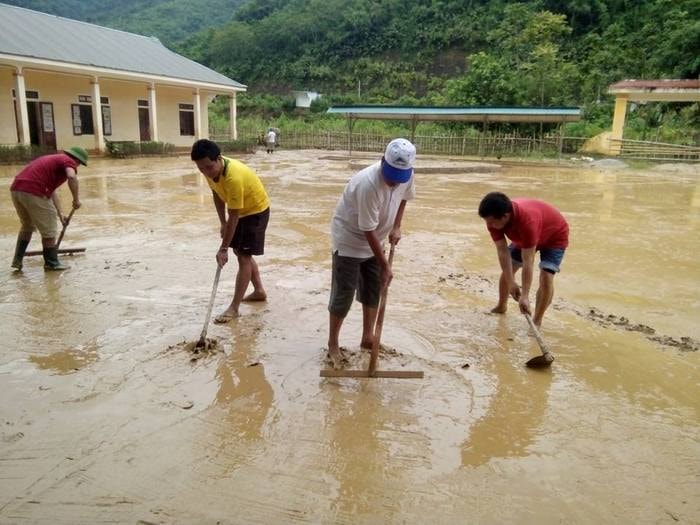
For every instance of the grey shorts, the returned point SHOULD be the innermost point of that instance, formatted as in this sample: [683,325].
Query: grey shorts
[353,276]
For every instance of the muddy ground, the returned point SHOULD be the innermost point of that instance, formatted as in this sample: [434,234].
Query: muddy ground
[106,416]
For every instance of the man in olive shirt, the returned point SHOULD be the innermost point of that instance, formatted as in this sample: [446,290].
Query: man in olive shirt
[235,186]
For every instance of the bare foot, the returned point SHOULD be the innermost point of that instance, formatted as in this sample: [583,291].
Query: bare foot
[367,343]
[499,309]
[226,316]
[336,357]
[255,296]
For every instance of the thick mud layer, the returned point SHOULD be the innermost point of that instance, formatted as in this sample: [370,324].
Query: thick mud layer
[198,349]
[686,344]
[109,415]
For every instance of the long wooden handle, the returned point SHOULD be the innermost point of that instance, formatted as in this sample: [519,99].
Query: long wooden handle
[63,231]
[538,336]
[380,322]
[211,304]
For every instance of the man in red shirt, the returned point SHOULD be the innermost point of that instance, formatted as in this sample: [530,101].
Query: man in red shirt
[34,196]
[531,225]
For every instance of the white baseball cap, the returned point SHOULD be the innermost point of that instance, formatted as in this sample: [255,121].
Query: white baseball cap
[399,157]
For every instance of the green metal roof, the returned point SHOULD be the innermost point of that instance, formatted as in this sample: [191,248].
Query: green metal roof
[465,113]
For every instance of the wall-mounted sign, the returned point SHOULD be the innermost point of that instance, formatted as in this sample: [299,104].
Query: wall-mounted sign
[47,117]
[107,120]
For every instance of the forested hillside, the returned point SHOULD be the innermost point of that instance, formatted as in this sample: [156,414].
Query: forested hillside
[437,52]
[456,51]
[172,21]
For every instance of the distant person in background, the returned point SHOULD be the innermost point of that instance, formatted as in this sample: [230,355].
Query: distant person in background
[34,197]
[237,187]
[369,210]
[532,226]
[271,140]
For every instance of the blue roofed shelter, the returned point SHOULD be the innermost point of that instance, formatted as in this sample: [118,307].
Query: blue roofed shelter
[484,115]
[69,83]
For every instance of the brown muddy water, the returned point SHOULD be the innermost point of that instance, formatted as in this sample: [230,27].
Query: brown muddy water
[106,418]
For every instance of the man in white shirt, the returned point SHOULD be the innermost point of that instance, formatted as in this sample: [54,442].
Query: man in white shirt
[270,140]
[369,210]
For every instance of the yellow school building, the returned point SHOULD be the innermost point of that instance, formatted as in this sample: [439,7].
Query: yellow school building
[69,83]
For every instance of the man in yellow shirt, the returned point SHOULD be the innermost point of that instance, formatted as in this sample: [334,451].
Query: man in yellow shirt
[235,186]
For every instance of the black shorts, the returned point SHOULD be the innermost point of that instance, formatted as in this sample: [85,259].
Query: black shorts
[249,238]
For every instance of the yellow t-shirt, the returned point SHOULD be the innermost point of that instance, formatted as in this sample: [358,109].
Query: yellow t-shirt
[240,188]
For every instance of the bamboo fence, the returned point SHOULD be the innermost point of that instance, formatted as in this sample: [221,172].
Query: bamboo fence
[647,150]
[481,145]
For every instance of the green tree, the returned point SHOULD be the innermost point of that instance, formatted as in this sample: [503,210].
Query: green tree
[489,82]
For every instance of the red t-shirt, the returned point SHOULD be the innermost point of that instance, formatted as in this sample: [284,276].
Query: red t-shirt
[43,175]
[534,223]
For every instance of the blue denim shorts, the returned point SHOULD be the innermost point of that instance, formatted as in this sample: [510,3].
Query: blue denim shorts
[550,258]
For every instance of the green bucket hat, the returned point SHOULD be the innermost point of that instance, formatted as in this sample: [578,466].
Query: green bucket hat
[78,154]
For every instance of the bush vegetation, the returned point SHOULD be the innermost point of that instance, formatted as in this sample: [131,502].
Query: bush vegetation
[15,154]
[127,148]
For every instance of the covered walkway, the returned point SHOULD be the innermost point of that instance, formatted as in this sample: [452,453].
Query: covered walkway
[485,115]
[625,91]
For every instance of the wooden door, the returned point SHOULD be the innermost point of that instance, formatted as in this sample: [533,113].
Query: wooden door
[34,118]
[144,124]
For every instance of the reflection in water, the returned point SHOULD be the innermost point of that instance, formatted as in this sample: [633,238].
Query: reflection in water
[244,394]
[358,456]
[40,299]
[695,204]
[516,411]
[607,203]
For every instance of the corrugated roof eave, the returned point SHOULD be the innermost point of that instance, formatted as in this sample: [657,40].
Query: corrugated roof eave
[79,43]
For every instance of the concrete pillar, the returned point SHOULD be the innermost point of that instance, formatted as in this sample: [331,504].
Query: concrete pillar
[414,124]
[560,146]
[197,116]
[97,115]
[232,116]
[23,114]
[618,125]
[152,112]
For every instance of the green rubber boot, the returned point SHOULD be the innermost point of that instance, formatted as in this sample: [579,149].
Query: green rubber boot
[51,262]
[20,250]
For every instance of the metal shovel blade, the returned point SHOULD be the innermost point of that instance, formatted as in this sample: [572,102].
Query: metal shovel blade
[544,360]
[540,361]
